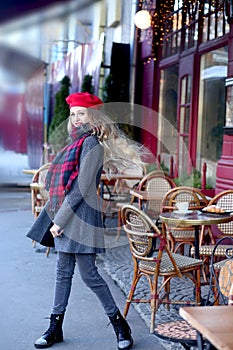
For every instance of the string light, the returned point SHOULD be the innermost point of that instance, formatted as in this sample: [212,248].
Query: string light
[166,21]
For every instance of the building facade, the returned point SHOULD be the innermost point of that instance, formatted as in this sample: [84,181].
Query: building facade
[185,63]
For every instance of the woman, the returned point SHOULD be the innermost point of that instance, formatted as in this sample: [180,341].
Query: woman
[73,209]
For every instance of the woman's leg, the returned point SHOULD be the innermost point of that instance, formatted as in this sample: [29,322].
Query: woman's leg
[64,274]
[91,277]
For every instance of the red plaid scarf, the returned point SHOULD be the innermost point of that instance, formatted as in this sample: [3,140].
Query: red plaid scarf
[63,171]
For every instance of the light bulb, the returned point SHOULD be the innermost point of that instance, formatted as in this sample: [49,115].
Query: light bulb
[142,19]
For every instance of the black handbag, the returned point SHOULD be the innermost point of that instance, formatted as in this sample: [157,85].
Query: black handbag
[40,230]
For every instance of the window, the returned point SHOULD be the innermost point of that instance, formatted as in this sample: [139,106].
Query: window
[191,22]
[211,114]
[214,21]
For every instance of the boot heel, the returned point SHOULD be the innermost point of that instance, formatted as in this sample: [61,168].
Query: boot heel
[59,339]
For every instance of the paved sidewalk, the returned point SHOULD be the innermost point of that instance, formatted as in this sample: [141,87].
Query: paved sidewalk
[27,278]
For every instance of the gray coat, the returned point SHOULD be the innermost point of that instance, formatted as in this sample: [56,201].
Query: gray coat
[80,213]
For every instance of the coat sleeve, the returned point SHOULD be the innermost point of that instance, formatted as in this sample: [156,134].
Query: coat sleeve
[85,185]
[40,230]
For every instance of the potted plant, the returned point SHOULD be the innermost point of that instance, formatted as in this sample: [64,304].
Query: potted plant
[87,85]
[195,180]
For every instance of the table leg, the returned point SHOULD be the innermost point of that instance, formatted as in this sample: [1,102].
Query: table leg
[196,243]
[200,341]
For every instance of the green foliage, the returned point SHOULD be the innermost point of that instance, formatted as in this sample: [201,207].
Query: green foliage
[108,92]
[87,84]
[113,92]
[58,129]
[192,180]
[153,166]
[59,138]
[61,108]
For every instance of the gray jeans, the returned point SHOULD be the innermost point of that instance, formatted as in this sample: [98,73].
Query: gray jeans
[89,274]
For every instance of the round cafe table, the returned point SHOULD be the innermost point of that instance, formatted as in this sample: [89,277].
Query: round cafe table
[194,218]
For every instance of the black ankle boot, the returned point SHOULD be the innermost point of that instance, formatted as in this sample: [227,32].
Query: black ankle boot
[122,330]
[54,333]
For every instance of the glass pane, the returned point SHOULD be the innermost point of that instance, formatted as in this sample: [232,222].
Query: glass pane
[183,91]
[167,125]
[212,27]
[187,118]
[186,89]
[211,114]
[178,4]
[189,86]
[191,13]
[221,22]
[175,22]
[205,28]
[206,7]
[168,94]
[184,159]
[229,106]
[182,119]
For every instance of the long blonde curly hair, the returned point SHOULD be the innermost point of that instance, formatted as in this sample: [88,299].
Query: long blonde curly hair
[120,152]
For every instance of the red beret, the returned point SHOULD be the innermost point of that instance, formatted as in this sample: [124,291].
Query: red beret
[83,99]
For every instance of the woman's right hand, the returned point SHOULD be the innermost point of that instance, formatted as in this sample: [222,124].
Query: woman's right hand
[56,231]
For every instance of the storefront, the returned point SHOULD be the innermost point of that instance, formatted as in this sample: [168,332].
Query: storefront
[185,65]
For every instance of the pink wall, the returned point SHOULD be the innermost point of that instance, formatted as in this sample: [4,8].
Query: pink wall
[13,128]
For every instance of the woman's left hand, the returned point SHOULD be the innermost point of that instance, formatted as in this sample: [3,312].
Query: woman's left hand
[56,231]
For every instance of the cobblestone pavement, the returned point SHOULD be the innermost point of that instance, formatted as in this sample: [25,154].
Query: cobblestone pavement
[119,265]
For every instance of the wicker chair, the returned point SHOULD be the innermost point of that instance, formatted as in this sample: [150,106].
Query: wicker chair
[223,200]
[221,290]
[159,183]
[115,192]
[179,237]
[39,195]
[156,182]
[153,259]
[221,279]
[221,272]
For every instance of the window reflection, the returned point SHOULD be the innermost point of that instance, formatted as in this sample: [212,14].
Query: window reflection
[168,110]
